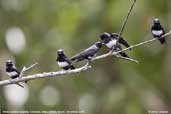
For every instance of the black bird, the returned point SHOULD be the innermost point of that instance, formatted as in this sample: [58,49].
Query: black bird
[108,40]
[63,61]
[87,53]
[111,41]
[12,71]
[157,31]
[120,39]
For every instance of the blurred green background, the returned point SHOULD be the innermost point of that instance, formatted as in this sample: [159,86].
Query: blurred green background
[33,30]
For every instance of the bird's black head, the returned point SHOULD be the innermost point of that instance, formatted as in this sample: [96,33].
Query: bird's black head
[104,36]
[60,52]
[98,44]
[9,63]
[115,35]
[156,21]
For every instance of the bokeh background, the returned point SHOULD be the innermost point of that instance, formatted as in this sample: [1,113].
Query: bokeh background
[32,31]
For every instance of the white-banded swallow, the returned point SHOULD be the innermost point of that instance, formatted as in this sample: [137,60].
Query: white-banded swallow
[157,31]
[87,53]
[108,40]
[12,71]
[63,61]
[120,39]
[112,42]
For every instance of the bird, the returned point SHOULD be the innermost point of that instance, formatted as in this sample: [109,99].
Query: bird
[112,42]
[88,53]
[120,39]
[12,71]
[108,40]
[63,61]
[157,31]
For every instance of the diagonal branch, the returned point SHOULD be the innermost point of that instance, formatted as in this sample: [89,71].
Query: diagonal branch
[126,19]
[125,49]
[142,43]
[44,75]
[126,58]
[78,70]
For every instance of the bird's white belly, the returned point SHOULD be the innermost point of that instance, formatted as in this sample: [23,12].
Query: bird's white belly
[157,32]
[111,43]
[12,73]
[63,64]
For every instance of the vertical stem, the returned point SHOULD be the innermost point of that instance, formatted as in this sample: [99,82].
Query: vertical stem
[126,18]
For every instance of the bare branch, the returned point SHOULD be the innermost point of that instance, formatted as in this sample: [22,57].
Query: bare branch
[102,56]
[126,18]
[78,70]
[142,43]
[128,59]
[22,72]
[31,66]
[133,46]
[44,75]
[116,55]
[26,69]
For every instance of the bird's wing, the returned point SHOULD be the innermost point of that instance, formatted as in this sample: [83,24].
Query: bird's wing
[80,54]
[118,47]
[90,48]
[15,69]
[163,30]
[124,42]
[87,52]
[152,27]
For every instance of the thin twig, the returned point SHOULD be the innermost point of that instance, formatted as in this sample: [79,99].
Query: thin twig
[116,55]
[128,59]
[20,85]
[24,69]
[126,18]
[31,66]
[22,72]
[102,56]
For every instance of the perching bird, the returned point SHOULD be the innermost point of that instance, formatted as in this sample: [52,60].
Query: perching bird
[63,61]
[111,41]
[87,53]
[157,31]
[120,39]
[108,40]
[12,71]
